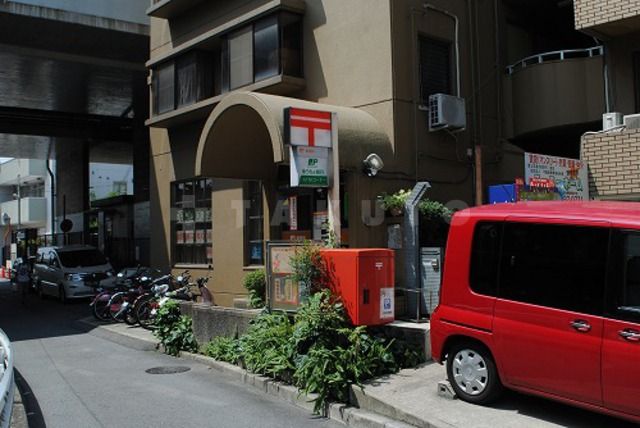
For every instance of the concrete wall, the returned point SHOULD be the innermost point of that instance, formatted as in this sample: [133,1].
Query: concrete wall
[590,13]
[614,160]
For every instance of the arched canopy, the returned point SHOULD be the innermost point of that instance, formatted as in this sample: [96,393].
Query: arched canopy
[244,136]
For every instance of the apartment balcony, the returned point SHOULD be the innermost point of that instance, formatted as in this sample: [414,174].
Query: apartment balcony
[612,18]
[167,9]
[24,170]
[33,211]
[553,90]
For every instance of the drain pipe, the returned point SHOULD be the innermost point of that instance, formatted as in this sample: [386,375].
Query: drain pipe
[605,72]
[53,188]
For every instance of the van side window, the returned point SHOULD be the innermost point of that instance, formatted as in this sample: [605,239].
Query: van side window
[557,266]
[623,300]
[485,256]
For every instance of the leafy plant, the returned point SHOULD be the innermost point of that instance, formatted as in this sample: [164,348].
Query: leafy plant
[434,210]
[174,330]
[394,202]
[265,347]
[317,321]
[224,349]
[256,282]
[309,269]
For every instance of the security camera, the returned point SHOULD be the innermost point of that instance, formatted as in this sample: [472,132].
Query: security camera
[372,164]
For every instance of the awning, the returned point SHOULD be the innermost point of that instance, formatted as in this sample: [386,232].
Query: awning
[244,136]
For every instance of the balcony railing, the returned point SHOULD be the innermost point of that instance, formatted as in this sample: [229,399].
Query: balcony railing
[555,56]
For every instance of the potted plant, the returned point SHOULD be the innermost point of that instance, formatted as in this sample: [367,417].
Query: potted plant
[434,222]
[394,203]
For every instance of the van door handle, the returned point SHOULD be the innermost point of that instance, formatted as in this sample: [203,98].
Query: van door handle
[630,335]
[581,325]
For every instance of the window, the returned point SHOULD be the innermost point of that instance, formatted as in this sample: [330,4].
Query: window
[119,187]
[263,49]
[183,82]
[623,300]
[241,58]
[164,87]
[265,42]
[556,266]
[485,256]
[254,224]
[192,226]
[194,77]
[435,67]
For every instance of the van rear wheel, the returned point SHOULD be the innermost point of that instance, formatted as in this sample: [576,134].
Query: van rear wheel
[472,373]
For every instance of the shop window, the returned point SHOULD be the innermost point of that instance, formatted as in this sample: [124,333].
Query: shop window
[263,49]
[254,224]
[434,67]
[636,79]
[192,222]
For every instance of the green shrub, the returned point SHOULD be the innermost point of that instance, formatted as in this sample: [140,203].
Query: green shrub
[265,347]
[434,210]
[174,330]
[256,283]
[309,269]
[223,349]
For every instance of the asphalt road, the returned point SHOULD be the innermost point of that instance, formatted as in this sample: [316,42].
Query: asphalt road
[79,380]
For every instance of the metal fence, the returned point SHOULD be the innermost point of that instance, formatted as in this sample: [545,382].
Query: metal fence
[7,384]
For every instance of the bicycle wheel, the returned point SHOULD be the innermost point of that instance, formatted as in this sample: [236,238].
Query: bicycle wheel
[117,307]
[146,313]
[101,308]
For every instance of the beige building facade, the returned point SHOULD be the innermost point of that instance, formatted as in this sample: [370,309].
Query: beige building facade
[222,73]
[613,156]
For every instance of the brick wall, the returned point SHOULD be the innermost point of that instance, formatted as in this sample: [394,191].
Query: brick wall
[614,164]
[589,13]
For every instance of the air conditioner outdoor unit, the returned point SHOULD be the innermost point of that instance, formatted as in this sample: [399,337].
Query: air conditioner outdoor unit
[446,112]
[631,121]
[611,120]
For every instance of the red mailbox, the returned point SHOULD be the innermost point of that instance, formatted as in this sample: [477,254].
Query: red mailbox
[364,278]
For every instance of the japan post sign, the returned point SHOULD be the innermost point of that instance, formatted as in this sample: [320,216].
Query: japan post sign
[309,166]
[308,127]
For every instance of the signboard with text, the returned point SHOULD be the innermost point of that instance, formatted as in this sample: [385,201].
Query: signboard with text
[309,166]
[567,177]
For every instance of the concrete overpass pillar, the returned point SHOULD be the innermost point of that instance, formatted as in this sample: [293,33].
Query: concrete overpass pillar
[72,173]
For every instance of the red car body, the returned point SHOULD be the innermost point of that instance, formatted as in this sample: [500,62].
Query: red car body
[583,348]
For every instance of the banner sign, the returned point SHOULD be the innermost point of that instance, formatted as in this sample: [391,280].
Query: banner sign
[564,176]
[308,127]
[309,166]
[283,291]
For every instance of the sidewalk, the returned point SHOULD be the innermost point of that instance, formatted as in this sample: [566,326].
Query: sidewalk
[409,397]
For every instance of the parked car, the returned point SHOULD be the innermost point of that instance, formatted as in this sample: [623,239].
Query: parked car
[543,298]
[70,272]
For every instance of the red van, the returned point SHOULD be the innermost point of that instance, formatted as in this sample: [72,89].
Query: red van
[543,298]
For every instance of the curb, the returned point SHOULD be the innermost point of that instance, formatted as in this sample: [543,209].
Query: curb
[339,412]
[350,416]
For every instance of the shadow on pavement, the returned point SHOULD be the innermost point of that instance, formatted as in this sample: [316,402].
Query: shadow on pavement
[38,318]
[557,413]
[30,402]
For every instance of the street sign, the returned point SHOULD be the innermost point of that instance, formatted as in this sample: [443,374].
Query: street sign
[308,127]
[66,225]
[309,166]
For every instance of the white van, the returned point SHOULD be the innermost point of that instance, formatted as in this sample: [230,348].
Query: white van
[70,272]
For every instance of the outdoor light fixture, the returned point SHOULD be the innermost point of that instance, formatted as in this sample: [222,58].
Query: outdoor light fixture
[372,164]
